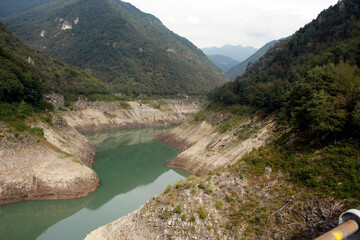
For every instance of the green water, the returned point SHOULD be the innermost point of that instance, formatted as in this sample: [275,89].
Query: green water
[132,169]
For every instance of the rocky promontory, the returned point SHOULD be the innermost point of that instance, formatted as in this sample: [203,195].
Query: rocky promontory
[55,166]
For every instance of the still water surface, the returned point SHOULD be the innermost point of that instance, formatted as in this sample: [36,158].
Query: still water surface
[132,169]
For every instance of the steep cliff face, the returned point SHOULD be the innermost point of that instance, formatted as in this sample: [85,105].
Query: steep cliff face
[57,166]
[93,116]
[206,148]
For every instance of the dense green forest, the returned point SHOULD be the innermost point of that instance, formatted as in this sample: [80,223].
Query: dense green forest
[25,75]
[311,82]
[131,51]
[312,77]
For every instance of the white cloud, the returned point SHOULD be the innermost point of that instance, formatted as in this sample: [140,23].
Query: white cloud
[192,20]
[249,23]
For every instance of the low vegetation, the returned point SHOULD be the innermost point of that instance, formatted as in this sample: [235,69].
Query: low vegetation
[329,171]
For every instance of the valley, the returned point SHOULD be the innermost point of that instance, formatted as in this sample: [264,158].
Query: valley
[105,113]
[66,171]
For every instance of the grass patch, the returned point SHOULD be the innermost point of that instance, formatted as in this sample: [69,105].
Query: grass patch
[107,98]
[206,187]
[199,117]
[166,214]
[158,104]
[229,124]
[236,109]
[78,161]
[15,114]
[124,105]
[37,131]
[329,171]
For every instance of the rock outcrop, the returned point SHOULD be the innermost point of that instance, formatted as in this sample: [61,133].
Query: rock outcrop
[57,166]
[205,148]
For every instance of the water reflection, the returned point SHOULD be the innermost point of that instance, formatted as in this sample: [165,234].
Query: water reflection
[131,167]
[147,162]
[27,220]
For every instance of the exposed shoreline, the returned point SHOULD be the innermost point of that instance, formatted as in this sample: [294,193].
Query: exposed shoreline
[59,166]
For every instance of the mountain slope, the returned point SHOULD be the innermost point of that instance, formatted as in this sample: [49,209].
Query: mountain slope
[309,83]
[13,7]
[238,53]
[129,50]
[223,62]
[240,69]
[26,74]
[312,76]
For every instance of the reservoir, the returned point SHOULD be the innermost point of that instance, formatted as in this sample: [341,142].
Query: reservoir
[132,169]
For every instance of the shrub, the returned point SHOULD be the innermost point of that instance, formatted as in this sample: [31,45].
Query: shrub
[166,214]
[37,131]
[168,188]
[178,209]
[228,198]
[219,204]
[178,184]
[200,116]
[202,213]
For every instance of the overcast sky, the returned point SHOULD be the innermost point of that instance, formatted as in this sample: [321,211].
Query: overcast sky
[208,23]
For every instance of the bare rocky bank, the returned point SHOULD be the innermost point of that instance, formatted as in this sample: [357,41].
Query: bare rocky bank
[226,204]
[58,165]
[94,116]
[205,148]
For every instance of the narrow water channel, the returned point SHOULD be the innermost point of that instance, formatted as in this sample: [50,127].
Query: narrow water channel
[131,167]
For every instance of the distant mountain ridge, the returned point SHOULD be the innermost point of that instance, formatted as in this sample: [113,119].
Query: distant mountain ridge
[238,53]
[223,62]
[131,51]
[240,69]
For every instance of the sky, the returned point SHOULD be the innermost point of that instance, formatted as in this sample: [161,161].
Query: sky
[208,23]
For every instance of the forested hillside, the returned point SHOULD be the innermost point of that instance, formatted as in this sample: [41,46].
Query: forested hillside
[26,75]
[311,81]
[312,77]
[131,51]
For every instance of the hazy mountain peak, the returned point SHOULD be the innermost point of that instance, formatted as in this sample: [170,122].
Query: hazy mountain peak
[238,53]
